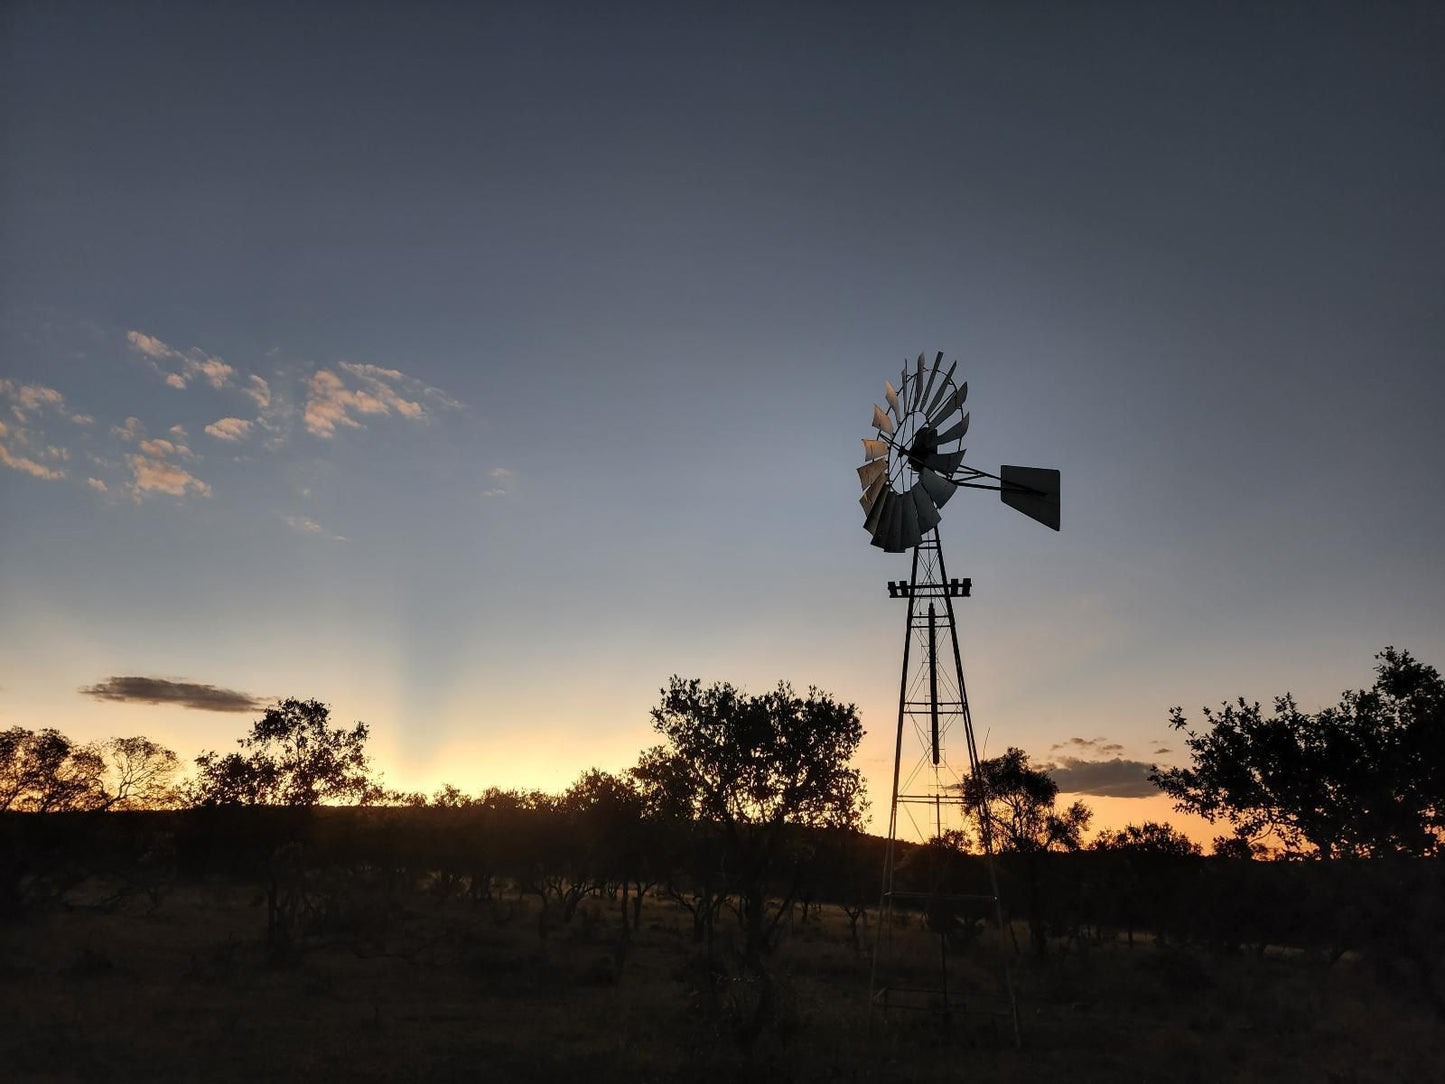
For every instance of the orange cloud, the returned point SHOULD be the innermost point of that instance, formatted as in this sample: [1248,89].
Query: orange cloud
[331,401]
[153,475]
[27,465]
[229,429]
[192,363]
[26,401]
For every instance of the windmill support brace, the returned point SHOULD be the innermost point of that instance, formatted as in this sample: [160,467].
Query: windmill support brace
[929,722]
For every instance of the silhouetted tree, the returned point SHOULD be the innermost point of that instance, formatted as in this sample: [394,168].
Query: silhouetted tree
[139,774]
[1149,838]
[1366,777]
[748,767]
[45,772]
[292,757]
[1014,804]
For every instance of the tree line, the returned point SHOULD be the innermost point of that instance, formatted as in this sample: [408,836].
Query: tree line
[1363,778]
[747,815]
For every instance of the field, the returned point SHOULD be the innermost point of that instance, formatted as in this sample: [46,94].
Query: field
[418,984]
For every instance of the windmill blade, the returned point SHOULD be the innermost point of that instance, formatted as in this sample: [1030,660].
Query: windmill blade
[891,395]
[942,389]
[1034,491]
[928,515]
[890,512]
[878,514]
[945,463]
[871,494]
[917,395]
[938,489]
[955,431]
[893,539]
[912,534]
[869,473]
[949,405]
[874,449]
[882,421]
[932,376]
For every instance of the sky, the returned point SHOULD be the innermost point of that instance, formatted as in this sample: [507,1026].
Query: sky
[474,368]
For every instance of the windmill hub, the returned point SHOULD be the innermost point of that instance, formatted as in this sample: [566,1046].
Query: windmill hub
[925,444]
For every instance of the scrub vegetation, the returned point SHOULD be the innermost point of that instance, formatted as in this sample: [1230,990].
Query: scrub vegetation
[707,914]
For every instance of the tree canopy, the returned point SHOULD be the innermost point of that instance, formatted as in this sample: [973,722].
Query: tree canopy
[292,757]
[1019,802]
[759,760]
[1365,777]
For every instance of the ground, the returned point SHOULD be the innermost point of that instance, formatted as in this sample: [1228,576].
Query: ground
[439,989]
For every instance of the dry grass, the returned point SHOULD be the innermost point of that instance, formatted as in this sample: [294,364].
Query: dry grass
[418,989]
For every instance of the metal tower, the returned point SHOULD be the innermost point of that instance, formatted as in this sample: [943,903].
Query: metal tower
[907,479]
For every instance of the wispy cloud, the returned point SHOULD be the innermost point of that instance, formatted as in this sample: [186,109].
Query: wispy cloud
[161,448]
[1093,746]
[259,390]
[503,480]
[26,465]
[308,526]
[229,429]
[152,466]
[334,400]
[186,694]
[178,368]
[24,445]
[97,485]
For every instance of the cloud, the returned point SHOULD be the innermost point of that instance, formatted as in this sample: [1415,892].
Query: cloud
[22,443]
[503,480]
[259,390]
[152,690]
[97,485]
[26,465]
[131,430]
[159,449]
[332,400]
[308,526]
[229,429]
[152,470]
[158,476]
[179,367]
[27,399]
[1096,746]
[1116,778]
[83,419]
[147,345]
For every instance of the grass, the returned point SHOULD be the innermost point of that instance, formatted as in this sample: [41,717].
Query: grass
[418,988]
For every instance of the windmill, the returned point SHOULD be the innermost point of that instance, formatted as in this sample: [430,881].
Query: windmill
[913,466]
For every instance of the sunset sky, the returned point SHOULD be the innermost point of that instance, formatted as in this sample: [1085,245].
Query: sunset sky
[474,368]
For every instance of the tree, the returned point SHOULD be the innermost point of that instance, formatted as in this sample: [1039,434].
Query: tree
[1015,806]
[1366,777]
[140,774]
[747,767]
[291,758]
[1149,838]
[45,772]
